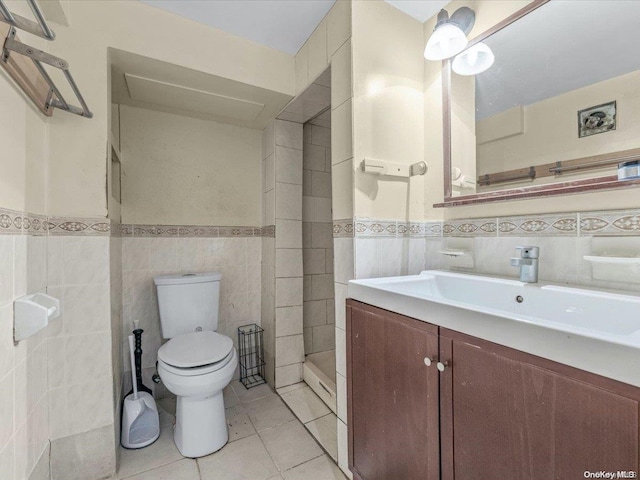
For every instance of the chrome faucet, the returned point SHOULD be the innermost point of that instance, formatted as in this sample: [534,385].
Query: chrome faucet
[528,263]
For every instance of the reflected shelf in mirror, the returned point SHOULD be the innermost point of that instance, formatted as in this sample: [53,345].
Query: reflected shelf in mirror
[536,125]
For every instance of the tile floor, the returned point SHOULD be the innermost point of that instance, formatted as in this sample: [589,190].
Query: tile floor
[314,414]
[266,442]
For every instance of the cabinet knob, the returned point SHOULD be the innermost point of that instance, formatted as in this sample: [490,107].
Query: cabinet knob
[441,366]
[428,361]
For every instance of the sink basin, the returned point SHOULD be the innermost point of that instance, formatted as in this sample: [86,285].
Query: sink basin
[593,330]
[577,310]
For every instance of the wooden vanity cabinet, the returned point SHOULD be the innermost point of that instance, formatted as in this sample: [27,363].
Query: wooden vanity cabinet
[392,396]
[502,413]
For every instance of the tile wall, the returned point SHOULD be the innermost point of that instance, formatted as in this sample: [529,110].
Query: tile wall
[24,409]
[317,241]
[282,179]
[57,384]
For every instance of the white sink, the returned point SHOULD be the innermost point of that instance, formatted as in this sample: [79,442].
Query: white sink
[594,330]
[577,310]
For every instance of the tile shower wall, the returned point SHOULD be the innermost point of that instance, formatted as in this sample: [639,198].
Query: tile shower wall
[317,241]
[282,178]
[237,258]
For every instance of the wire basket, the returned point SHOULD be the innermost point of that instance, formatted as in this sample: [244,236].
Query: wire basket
[251,355]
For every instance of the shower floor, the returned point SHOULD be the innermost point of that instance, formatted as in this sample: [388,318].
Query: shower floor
[319,373]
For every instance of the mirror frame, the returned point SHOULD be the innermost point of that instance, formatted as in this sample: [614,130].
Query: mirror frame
[563,188]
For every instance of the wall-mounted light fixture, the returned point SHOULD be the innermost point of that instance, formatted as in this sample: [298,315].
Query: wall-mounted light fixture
[473,60]
[450,35]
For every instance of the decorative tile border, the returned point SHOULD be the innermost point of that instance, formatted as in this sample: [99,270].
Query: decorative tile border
[610,223]
[545,225]
[343,228]
[477,227]
[10,222]
[79,226]
[594,223]
[195,231]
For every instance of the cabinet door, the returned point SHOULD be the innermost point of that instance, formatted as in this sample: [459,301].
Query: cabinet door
[508,414]
[392,396]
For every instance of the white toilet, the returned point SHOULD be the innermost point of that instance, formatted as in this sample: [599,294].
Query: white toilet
[197,363]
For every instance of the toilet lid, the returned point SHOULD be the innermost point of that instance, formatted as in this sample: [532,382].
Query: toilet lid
[195,349]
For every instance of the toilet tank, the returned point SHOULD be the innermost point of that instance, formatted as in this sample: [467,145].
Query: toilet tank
[188,302]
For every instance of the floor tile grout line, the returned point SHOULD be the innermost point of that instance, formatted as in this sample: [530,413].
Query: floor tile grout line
[157,467]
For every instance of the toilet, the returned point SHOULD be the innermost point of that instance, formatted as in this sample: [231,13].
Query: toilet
[197,363]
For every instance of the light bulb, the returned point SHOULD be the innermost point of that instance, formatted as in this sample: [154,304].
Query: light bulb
[474,60]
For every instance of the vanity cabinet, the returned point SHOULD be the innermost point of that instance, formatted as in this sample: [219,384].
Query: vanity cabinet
[392,396]
[484,412]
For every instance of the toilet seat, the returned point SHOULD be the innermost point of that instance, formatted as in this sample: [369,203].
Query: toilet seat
[196,353]
[201,370]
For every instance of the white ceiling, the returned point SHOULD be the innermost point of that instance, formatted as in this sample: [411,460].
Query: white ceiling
[281,24]
[560,47]
[421,10]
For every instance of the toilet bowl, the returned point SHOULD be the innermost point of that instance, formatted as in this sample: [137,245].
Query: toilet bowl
[197,363]
[197,382]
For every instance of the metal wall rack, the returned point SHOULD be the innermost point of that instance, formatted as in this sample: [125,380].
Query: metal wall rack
[25,64]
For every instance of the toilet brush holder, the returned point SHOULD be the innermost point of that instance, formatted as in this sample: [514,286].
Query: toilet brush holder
[140,418]
[140,421]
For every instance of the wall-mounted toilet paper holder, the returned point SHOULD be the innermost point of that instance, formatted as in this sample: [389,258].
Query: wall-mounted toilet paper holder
[32,313]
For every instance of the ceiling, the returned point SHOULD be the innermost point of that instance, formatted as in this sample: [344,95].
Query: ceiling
[558,48]
[421,10]
[280,24]
[144,82]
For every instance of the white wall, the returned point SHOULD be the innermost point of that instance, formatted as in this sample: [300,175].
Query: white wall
[184,171]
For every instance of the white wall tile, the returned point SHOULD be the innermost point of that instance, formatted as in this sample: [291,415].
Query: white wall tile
[288,134]
[321,184]
[302,68]
[86,260]
[324,338]
[338,25]
[341,395]
[343,259]
[313,157]
[288,375]
[288,201]
[288,165]
[343,448]
[269,173]
[322,235]
[341,75]
[322,207]
[314,260]
[289,350]
[288,292]
[288,233]
[341,352]
[318,51]
[321,136]
[6,269]
[341,133]
[315,313]
[288,321]
[288,262]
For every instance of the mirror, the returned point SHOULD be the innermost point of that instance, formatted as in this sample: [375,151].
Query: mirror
[555,113]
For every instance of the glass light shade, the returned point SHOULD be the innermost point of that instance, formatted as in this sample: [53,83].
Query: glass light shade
[473,61]
[447,41]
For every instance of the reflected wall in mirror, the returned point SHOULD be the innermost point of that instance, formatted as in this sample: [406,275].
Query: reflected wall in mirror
[561,103]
